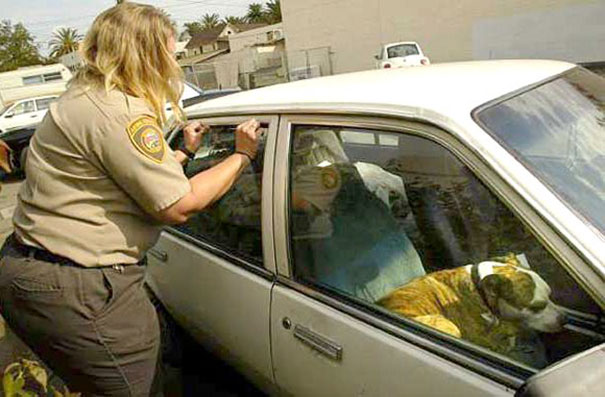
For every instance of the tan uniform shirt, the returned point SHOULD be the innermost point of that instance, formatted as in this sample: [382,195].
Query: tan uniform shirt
[97,166]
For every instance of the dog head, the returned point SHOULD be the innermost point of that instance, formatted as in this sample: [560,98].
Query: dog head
[520,295]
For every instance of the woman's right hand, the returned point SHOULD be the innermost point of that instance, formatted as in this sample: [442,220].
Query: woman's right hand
[246,138]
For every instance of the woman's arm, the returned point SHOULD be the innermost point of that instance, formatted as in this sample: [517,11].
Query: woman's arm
[210,185]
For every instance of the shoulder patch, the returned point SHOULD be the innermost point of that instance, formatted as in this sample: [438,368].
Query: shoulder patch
[146,136]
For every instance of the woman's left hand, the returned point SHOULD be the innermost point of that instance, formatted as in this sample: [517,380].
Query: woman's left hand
[192,134]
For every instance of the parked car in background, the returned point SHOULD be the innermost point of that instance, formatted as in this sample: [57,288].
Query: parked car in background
[446,239]
[18,141]
[24,112]
[400,55]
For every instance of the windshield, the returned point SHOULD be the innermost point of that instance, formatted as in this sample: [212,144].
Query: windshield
[402,50]
[558,131]
[4,109]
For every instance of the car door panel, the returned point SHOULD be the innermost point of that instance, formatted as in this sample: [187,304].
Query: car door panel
[212,273]
[373,362]
[215,301]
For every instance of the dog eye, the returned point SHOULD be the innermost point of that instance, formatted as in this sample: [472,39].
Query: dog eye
[537,306]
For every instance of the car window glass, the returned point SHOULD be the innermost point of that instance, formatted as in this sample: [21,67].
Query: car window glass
[23,107]
[402,50]
[401,224]
[233,223]
[44,103]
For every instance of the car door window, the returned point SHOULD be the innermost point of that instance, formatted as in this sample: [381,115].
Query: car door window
[23,107]
[396,222]
[233,223]
[44,103]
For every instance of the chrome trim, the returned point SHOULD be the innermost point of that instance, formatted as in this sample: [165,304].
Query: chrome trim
[318,342]
[257,269]
[423,340]
[280,197]
[267,196]
[158,254]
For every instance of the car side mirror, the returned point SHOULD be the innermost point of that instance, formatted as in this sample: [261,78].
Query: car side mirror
[581,375]
[377,57]
[8,115]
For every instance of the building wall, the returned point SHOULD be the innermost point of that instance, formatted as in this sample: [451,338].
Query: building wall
[352,31]
[257,36]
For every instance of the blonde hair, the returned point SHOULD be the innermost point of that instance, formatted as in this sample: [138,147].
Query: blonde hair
[127,48]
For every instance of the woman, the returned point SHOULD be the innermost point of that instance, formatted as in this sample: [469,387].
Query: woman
[100,184]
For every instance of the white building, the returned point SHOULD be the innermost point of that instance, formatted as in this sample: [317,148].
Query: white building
[33,81]
[344,35]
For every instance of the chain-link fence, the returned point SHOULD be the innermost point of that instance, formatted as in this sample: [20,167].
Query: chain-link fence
[309,63]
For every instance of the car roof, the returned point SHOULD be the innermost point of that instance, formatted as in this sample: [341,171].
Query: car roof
[448,90]
[400,43]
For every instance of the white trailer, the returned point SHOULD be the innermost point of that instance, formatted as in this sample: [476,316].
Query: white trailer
[33,81]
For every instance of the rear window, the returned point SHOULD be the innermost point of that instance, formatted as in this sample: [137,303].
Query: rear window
[402,50]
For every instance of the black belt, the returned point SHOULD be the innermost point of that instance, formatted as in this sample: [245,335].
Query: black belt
[47,256]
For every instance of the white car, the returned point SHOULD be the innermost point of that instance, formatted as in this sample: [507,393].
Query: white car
[424,231]
[25,112]
[400,55]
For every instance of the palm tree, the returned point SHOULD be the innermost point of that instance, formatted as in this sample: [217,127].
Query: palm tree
[234,20]
[210,21]
[273,11]
[193,28]
[255,13]
[64,41]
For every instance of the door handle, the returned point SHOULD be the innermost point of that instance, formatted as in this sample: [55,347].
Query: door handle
[318,342]
[160,255]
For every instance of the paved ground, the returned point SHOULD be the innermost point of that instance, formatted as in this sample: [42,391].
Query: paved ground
[189,370]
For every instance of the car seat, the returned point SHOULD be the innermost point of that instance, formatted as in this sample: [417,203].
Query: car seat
[362,251]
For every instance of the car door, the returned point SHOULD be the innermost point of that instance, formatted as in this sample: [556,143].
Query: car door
[212,273]
[22,114]
[365,206]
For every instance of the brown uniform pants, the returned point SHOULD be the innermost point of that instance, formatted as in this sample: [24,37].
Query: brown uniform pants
[95,327]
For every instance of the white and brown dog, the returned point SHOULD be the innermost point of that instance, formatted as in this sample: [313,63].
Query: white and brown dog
[490,304]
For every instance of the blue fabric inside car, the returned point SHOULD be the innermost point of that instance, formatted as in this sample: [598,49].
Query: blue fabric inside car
[366,253]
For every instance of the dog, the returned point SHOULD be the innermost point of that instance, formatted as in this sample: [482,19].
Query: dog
[495,304]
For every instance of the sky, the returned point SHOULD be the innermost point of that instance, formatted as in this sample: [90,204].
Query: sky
[42,17]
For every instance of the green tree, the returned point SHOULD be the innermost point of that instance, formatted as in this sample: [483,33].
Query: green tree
[234,20]
[193,28]
[210,21]
[64,41]
[272,12]
[17,47]
[255,13]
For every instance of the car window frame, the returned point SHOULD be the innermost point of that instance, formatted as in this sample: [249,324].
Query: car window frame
[50,100]
[23,103]
[482,361]
[268,267]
